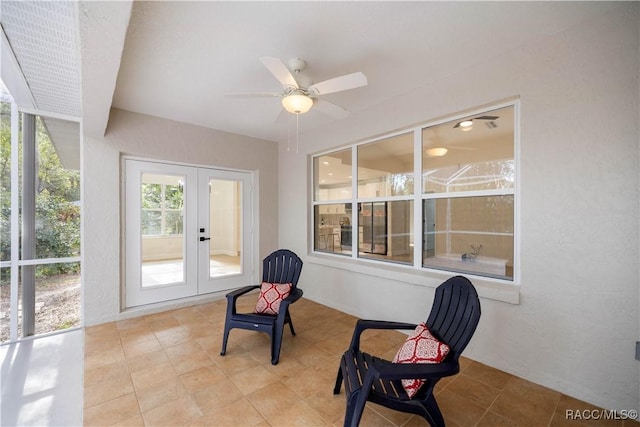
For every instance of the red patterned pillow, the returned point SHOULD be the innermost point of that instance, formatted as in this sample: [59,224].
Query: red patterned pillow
[271,295]
[420,347]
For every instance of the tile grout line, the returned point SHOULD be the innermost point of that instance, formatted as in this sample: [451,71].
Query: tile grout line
[490,405]
[555,408]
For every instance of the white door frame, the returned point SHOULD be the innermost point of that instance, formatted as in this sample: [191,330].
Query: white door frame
[196,217]
[207,284]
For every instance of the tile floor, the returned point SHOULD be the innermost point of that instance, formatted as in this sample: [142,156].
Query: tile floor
[165,369]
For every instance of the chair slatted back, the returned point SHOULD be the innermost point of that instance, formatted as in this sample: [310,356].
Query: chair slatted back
[455,313]
[282,266]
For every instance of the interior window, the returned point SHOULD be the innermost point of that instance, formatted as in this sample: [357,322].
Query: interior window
[468,180]
[385,167]
[332,221]
[463,195]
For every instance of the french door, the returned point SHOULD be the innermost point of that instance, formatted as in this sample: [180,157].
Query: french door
[188,231]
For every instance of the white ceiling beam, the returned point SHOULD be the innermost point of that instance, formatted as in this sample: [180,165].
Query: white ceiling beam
[103,29]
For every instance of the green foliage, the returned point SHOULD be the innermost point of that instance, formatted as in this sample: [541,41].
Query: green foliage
[151,196]
[57,201]
[69,323]
[5,181]
[173,197]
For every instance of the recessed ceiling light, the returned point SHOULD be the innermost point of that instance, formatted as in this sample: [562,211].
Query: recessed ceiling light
[325,163]
[330,174]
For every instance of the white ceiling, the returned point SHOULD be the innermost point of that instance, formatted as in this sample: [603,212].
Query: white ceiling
[178,59]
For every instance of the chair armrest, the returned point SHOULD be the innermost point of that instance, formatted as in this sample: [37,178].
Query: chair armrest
[241,291]
[363,324]
[284,305]
[400,371]
[234,295]
[293,297]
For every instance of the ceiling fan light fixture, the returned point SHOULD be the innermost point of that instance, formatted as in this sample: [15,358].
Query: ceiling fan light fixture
[464,125]
[436,152]
[297,103]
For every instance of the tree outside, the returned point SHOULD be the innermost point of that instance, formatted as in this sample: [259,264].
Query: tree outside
[57,231]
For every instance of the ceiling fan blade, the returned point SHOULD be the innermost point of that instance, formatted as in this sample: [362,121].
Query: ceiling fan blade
[279,71]
[252,95]
[337,84]
[455,147]
[332,110]
[282,116]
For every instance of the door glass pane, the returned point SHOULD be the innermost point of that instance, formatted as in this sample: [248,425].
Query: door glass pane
[161,217]
[151,221]
[225,227]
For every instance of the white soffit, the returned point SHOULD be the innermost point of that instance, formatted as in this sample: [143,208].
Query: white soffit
[65,136]
[43,38]
[12,75]
[41,68]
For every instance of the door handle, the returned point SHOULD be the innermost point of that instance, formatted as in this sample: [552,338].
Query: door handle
[202,239]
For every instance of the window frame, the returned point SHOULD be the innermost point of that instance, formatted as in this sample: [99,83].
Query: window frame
[502,289]
[163,210]
[18,259]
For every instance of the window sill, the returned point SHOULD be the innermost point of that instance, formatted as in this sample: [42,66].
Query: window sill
[488,288]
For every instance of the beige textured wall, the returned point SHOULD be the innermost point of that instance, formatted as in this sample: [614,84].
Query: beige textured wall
[578,319]
[155,138]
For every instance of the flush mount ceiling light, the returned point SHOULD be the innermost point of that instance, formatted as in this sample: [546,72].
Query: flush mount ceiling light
[436,152]
[297,103]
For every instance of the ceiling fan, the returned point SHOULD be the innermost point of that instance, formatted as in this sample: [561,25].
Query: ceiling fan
[299,94]
[469,122]
[437,146]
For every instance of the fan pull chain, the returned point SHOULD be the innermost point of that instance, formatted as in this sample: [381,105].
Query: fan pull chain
[288,130]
